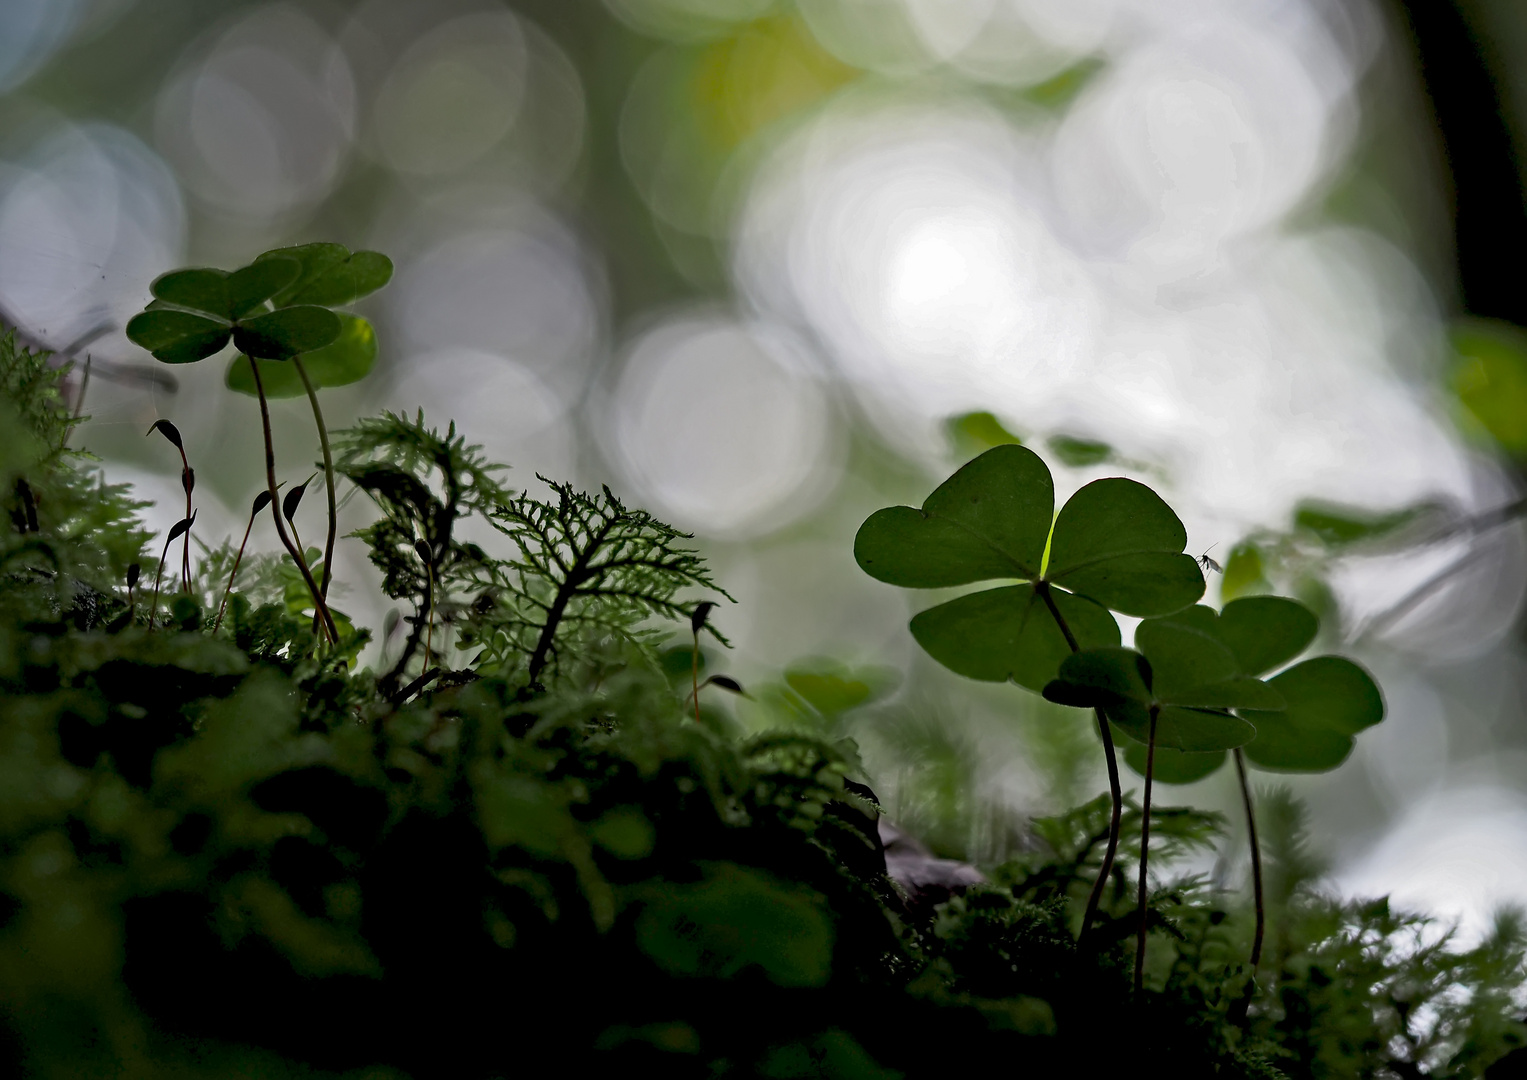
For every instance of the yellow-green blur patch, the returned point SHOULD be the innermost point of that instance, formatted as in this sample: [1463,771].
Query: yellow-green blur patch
[1489,378]
[770,70]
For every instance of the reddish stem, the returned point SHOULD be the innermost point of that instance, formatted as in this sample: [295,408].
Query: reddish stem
[275,509]
[1105,868]
[1145,846]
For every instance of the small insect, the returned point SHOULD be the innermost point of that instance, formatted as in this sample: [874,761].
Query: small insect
[1208,563]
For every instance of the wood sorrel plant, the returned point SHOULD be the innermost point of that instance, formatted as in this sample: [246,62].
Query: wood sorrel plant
[1189,688]
[276,312]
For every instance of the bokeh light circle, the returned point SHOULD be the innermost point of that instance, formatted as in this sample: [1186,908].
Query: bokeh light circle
[722,426]
[516,285]
[88,215]
[260,124]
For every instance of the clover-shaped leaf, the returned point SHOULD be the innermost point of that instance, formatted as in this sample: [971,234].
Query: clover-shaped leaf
[226,296]
[1116,541]
[1125,684]
[1329,699]
[178,337]
[330,275]
[1115,544]
[347,359]
[989,520]
[1173,766]
[1009,634]
[286,332]
[1265,632]
[195,311]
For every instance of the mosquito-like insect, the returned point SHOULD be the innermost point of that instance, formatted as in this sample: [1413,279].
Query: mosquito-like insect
[1208,563]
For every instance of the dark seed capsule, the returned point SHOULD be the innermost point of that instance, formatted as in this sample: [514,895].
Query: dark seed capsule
[726,683]
[422,549]
[188,479]
[702,612]
[183,525]
[261,501]
[293,497]
[168,430]
[133,570]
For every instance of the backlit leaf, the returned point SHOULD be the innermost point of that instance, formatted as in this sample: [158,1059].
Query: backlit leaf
[1282,745]
[1008,633]
[330,275]
[1331,692]
[349,358]
[177,337]
[278,378]
[256,283]
[1180,728]
[198,288]
[286,332]
[1265,632]
[989,520]
[1174,766]
[1183,658]
[1329,699]
[1117,542]
[1095,678]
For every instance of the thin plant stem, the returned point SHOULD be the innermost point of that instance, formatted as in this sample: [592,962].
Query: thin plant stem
[153,609]
[275,508]
[185,549]
[296,536]
[429,636]
[328,475]
[236,560]
[1110,756]
[1238,1011]
[694,674]
[1145,848]
[79,401]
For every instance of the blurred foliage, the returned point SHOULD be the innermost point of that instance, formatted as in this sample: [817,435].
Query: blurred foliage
[975,433]
[229,854]
[1489,378]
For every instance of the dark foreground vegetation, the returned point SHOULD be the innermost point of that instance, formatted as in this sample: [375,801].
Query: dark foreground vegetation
[528,840]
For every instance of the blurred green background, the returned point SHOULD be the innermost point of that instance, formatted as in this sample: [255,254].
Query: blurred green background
[765,266]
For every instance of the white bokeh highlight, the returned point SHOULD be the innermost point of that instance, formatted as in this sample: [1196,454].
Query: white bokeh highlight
[723,426]
[259,126]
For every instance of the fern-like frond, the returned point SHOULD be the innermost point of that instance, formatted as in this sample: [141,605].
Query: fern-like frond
[588,567]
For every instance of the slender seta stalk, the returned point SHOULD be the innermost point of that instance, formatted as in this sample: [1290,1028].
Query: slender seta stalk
[187,481]
[259,504]
[1239,1009]
[180,527]
[1105,869]
[1145,848]
[429,634]
[275,509]
[694,674]
[328,475]
[153,606]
